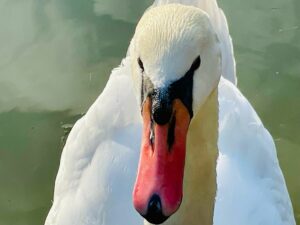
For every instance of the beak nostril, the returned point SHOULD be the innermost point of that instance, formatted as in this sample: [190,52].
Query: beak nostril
[154,213]
[152,135]
[171,132]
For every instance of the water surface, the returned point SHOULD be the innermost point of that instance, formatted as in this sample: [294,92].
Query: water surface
[55,57]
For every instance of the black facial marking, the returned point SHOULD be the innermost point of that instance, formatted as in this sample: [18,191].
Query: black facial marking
[161,106]
[171,132]
[141,64]
[196,64]
[163,98]
[183,88]
[146,89]
[142,91]
[142,86]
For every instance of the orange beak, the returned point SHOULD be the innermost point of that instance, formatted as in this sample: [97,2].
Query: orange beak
[159,185]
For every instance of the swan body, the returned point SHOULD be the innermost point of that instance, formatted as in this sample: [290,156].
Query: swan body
[100,159]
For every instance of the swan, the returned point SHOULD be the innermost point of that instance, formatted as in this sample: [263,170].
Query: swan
[171,138]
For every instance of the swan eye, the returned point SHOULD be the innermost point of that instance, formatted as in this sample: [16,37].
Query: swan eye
[141,64]
[195,64]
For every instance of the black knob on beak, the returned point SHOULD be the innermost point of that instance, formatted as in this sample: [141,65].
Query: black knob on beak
[161,107]
[154,213]
[162,115]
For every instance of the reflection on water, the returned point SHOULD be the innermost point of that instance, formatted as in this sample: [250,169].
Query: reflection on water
[52,48]
[55,57]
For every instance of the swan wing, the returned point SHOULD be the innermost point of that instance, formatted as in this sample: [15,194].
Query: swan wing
[99,161]
[251,187]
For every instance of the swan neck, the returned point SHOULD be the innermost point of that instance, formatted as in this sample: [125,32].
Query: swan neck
[200,167]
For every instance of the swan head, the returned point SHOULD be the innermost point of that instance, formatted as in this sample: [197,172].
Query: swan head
[176,64]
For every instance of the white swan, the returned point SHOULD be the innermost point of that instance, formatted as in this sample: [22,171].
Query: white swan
[176,59]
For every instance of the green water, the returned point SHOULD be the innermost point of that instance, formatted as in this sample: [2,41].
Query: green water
[55,57]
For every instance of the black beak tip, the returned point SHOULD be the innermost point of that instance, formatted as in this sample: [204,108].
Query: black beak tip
[154,213]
